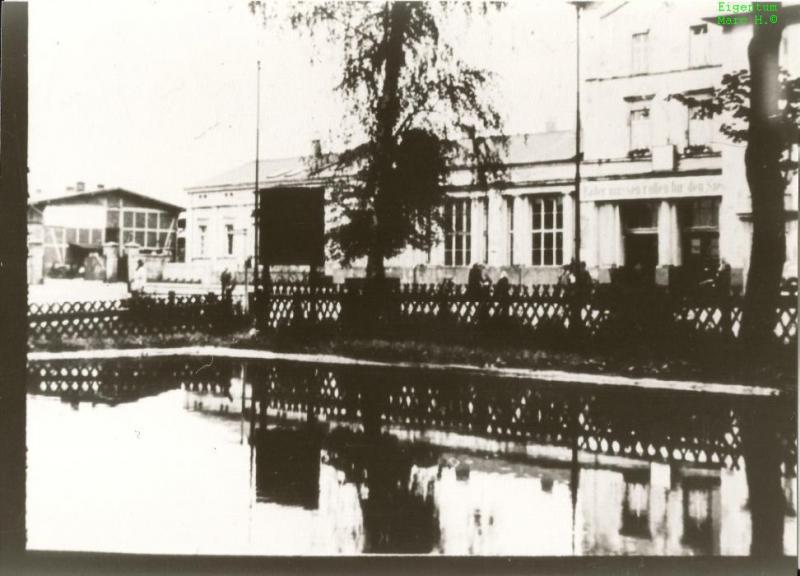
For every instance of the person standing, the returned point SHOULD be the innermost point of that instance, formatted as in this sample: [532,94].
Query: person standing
[139,280]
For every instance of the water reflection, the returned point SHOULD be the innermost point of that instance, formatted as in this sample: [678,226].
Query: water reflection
[238,461]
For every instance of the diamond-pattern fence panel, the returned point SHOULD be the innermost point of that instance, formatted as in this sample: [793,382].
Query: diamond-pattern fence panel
[132,317]
[605,312]
[539,311]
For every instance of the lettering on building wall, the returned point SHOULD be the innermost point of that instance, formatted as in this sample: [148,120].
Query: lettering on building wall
[597,191]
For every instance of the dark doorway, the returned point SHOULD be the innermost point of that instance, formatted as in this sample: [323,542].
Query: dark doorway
[641,253]
[640,222]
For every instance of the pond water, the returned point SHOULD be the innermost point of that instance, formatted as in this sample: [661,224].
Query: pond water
[227,459]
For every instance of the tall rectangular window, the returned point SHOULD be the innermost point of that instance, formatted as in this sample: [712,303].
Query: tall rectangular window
[201,236]
[639,121]
[699,220]
[458,232]
[699,45]
[548,231]
[699,131]
[640,48]
[510,228]
[229,239]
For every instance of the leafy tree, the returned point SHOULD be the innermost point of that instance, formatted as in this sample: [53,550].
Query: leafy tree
[407,89]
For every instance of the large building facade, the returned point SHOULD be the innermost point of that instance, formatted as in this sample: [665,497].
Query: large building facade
[663,192]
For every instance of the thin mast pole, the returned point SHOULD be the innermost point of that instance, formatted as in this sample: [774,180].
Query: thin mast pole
[577,253]
[256,219]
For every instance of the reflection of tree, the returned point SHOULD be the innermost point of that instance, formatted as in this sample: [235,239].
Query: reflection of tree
[398,506]
[762,464]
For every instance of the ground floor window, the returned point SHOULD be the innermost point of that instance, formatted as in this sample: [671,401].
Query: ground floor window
[640,225]
[458,232]
[548,231]
[229,239]
[699,222]
[201,239]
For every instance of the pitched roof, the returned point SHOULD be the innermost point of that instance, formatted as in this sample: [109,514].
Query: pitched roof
[512,150]
[42,202]
[269,170]
[529,148]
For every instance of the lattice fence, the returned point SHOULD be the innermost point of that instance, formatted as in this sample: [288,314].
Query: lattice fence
[132,317]
[524,309]
[536,311]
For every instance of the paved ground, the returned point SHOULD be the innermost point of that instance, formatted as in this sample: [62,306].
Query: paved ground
[62,290]
[74,290]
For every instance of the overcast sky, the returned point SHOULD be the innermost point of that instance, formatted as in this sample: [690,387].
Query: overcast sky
[158,95]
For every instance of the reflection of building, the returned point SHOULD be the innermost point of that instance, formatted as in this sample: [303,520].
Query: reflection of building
[636,504]
[106,223]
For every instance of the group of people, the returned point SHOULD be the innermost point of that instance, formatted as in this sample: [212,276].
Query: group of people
[573,275]
[479,284]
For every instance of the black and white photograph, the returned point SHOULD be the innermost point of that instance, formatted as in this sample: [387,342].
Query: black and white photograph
[329,279]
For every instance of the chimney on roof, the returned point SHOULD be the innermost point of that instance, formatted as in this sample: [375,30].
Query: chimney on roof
[316,147]
[70,189]
[100,186]
[80,187]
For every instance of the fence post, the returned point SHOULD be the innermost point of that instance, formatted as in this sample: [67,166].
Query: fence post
[726,321]
[170,314]
[444,304]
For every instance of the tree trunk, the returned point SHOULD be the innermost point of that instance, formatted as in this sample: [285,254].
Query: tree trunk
[396,21]
[767,255]
[762,162]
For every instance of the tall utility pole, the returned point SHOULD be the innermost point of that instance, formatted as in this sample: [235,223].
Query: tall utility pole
[256,222]
[579,5]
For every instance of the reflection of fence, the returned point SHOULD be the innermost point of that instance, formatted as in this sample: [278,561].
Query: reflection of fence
[521,309]
[125,379]
[131,317]
[664,426]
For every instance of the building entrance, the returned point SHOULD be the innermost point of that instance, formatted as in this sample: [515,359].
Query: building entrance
[640,222]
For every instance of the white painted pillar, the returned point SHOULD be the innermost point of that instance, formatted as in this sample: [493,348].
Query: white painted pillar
[664,235]
[498,233]
[674,225]
[669,235]
[589,234]
[568,225]
[609,236]
[618,236]
[478,229]
[522,231]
